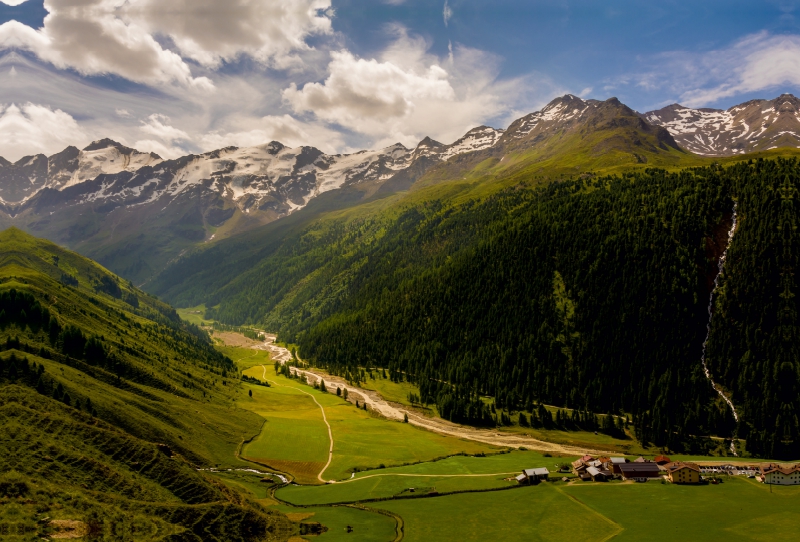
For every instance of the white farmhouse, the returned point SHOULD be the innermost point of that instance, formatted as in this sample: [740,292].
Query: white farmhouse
[777,474]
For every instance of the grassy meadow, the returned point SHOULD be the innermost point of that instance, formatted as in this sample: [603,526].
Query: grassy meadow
[468,497]
[530,513]
[737,509]
[458,473]
[294,438]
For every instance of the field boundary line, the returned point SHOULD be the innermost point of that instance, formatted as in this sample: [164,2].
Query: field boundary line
[324,419]
[605,518]
[426,476]
[403,497]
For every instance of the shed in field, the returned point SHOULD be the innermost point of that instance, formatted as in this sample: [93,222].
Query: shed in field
[537,475]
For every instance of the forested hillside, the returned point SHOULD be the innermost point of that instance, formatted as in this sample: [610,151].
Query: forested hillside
[589,293]
[109,405]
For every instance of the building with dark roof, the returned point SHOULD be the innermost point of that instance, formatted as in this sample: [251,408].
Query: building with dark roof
[615,462]
[641,472]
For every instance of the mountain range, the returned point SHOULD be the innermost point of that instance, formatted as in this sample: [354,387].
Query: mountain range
[135,212]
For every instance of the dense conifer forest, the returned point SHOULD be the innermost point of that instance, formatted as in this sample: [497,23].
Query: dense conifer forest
[588,293]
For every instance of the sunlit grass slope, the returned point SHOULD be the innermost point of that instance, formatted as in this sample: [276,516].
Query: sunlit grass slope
[109,405]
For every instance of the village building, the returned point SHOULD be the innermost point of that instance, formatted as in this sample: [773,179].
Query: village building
[641,459]
[615,463]
[777,474]
[640,472]
[578,467]
[536,475]
[522,479]
[597,474]
[683,473]
[662,460]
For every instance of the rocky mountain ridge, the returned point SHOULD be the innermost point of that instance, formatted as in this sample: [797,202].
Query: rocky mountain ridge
[266,177]
[135,212]
[756,125]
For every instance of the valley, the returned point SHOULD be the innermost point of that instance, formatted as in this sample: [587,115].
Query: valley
[399,271]
[375,346]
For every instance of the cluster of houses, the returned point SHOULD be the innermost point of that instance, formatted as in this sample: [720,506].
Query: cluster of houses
[602,469]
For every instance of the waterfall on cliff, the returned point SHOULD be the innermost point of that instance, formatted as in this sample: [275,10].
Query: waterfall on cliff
[721,266]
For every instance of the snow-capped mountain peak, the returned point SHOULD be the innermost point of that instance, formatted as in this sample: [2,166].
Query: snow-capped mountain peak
[751,126]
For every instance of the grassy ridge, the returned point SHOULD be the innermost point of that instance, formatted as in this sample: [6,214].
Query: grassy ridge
[111,436]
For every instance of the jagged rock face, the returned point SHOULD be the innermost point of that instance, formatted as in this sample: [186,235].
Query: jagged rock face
[28,176]
[561,112]
[268,177]
[752,126]
[134,211]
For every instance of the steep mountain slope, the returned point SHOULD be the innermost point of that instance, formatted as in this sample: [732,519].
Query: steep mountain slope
[109,404]
[751,126]
[136,213]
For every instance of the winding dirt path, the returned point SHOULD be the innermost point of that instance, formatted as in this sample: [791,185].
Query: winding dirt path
[324,419]
[394,411]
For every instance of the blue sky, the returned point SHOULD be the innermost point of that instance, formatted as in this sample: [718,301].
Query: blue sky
[178,76]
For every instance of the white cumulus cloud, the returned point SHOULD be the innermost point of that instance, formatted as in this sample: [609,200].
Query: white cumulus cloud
[31,126]
[407,93]
[153,41]
[754,63]
[211,31]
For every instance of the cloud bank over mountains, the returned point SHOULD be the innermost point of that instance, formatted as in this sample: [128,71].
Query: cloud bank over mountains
[205,73]
[194,75]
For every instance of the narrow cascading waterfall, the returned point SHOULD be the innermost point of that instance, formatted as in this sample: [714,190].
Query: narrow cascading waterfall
[721,266]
